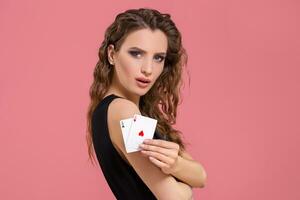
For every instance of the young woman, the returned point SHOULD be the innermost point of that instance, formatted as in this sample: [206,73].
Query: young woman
[139,72]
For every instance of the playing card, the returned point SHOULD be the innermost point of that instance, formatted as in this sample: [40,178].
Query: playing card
[141,128]
[125,125]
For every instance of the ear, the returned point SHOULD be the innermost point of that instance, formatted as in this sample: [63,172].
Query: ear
[110,54]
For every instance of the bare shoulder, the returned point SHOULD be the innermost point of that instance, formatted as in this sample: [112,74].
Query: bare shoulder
[163,186]
[120,107]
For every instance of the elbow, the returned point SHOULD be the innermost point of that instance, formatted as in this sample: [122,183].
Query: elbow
[203,180]
[201,183]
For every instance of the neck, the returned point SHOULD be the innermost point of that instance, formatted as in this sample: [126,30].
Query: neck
[129,96]
[117,88]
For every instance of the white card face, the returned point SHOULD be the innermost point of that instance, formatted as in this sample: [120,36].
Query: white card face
[142,128]
[125,125]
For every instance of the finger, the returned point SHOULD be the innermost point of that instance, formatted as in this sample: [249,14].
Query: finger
[162,143]
[165,151]
[165,159]
[157,162]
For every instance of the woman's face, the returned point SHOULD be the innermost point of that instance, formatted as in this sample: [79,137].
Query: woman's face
[142,55]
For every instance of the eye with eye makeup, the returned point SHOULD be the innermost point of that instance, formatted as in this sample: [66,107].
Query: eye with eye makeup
[135,53]
[162,58]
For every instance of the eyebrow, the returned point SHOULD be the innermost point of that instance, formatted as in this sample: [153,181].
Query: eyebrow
[160,53]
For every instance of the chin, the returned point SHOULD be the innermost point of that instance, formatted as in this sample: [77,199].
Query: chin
[142,92]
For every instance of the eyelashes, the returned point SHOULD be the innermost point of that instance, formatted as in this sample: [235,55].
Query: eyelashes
[135,53]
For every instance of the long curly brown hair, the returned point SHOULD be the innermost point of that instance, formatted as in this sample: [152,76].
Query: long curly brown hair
[161,101]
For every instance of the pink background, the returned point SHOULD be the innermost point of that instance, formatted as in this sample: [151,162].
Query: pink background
[240,114]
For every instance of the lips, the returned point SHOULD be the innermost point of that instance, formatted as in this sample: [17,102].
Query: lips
[144,80]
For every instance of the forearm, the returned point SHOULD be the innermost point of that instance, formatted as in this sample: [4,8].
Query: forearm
[190,172]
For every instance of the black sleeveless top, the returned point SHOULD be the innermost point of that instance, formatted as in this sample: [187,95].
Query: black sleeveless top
[122,179]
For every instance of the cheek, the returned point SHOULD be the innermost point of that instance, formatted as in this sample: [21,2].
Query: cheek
[159,70]
[156,73]
[128,67]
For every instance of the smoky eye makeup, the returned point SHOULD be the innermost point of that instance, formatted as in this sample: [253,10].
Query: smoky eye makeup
[162,58]
[135,53]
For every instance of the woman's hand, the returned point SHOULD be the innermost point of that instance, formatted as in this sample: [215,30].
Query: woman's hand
[162,153]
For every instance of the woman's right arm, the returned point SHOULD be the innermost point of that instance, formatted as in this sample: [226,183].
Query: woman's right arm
[186,190]
[163,186]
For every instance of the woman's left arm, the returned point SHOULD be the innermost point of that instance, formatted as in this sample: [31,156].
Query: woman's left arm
[190,171]
[165,154]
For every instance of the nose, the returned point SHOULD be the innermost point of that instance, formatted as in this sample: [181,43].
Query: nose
[147,67]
